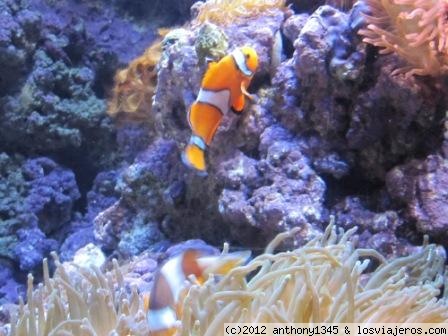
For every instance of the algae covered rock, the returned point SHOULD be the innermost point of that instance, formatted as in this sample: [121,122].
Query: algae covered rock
[211,43]
[55,73]
[422,186]
[56,109]
[12,194]
[37,198]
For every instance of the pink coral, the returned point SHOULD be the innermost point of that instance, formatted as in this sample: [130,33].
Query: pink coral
[416,30]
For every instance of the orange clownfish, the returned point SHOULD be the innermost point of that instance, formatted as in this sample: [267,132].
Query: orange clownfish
[223,88]
[171,285]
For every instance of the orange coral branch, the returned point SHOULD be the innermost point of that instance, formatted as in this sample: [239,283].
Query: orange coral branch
[416,30]
[135,85]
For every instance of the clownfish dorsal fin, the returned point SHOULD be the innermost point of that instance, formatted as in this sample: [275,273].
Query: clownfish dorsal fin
[190,263]
[223,263]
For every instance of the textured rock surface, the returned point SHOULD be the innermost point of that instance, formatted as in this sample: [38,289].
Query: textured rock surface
[38,199]
[167,13]
[376,229]
[50,104]
[57,61]
[80,231]
[422,185]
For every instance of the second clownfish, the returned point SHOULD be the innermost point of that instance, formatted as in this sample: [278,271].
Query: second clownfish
[164,304]
[223,88]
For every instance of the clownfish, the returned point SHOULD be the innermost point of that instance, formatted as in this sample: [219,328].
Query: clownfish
[223,88]
[171,285]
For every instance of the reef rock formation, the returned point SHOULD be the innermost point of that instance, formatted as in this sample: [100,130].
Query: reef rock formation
[378,230]
[80,231]
[260,182]
[56,66]
[49,103]
[422,186]
[37,200]
[328,124]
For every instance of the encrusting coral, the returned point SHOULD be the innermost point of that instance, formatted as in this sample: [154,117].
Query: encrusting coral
[135,85]
[319,282]
[416,30]
[211,43]
[225,12]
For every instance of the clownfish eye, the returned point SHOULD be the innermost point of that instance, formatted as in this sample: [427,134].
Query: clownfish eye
[247,56]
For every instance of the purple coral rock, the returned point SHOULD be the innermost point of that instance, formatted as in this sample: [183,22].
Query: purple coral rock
[10,289]
[80,238]
[53,191]
[293,25]
[103,193]
[100,197]
[353,212]
[397,110]
[317,43]
[145,184]
[286,106]
[38,202]
[285,193]
[382,231]
[143,265]
[133,138]
[260,33]
[109,223]
[32,247]
[107,27]
[238,171]
[423,185]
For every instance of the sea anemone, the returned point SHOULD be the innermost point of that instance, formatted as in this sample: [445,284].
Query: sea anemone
[81,301]
[416,30]
[135,85]
[320,282]
[225,12]
[323,281]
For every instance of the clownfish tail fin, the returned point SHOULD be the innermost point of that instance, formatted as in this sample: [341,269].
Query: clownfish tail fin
[194,155]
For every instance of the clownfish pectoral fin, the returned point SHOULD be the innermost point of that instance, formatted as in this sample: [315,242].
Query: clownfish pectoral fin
[146,301]
[238,104]
[247,94]
[224,263]
[194,155]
